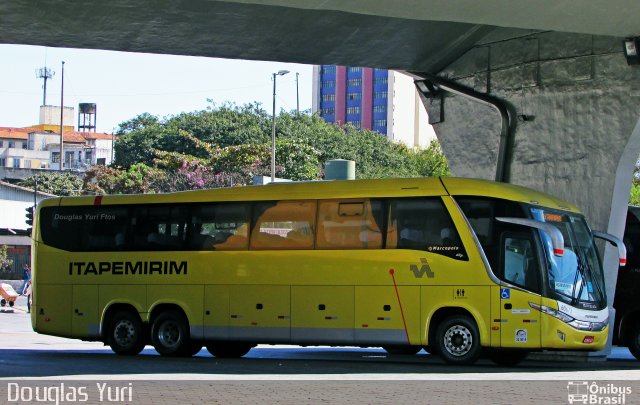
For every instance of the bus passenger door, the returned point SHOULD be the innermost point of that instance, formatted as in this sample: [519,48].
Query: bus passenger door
[85,320]
[519,323]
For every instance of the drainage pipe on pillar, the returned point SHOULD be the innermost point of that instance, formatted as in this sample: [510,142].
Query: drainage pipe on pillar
[429,84]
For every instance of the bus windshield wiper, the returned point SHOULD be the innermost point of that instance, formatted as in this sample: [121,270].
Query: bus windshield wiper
[581,270]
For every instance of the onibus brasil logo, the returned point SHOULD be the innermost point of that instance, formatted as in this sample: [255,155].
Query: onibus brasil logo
[583,392]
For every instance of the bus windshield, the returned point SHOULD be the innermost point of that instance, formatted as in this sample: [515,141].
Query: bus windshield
[576,277]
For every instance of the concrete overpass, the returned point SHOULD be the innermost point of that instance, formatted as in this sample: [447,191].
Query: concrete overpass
[566,106]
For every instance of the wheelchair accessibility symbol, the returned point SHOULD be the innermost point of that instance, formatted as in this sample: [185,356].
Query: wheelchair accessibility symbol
[505,293]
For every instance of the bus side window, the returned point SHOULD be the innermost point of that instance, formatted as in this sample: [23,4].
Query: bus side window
[104,228]
[350,224]
[220,226]
[283,225]
[159,227]
[423,224]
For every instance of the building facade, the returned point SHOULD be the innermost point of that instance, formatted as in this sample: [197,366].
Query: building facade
[38,146]
[30,148]
[381,100]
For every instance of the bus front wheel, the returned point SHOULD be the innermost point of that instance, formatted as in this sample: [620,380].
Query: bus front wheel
[632,340]
[458,340]
[170,334]
[126,334]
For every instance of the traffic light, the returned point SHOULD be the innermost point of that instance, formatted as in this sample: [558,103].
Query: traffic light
[29,219]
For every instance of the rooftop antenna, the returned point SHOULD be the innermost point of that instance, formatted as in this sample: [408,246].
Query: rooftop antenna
[44,73]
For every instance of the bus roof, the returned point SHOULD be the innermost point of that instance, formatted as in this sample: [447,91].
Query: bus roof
[406,187]
[477,187]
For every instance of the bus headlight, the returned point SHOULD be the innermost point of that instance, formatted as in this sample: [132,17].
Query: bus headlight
[580,325]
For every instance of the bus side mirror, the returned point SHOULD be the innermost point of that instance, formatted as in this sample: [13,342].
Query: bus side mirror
[554,233]
[615,241]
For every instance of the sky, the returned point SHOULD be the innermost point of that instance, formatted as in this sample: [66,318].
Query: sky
[124,85]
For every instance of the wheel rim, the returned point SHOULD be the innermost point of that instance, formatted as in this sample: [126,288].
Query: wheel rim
[124,333]
[458,340]
[169,334]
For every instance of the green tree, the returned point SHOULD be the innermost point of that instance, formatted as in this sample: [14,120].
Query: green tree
[57,183]
[138,138]
[634,198]
[430,161]
[137,179]
[233,143]
[5,261]
[138,123]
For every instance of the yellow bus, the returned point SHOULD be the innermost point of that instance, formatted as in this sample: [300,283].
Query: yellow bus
[457,266]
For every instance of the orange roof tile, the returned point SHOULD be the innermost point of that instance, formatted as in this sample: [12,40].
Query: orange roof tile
[13,133]
[73,136]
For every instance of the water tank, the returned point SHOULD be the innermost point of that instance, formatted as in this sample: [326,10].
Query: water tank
[340,169]
[87,108]
[87,114]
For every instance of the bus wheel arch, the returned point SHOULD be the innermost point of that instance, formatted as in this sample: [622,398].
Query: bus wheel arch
[455,335]
[123,330]
[170,333]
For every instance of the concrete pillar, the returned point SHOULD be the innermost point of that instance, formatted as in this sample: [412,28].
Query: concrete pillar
[577,135]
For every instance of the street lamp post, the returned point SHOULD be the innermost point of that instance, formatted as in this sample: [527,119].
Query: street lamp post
[297,95]
[273,126]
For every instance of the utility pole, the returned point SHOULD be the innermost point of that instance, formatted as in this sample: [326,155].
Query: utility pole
[297,95]
[273,126]
[62,118]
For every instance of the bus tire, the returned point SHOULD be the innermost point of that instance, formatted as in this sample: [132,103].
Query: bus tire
[458,340]
[507,357]
[632,340]
[402,349]
[125,333]
[229,350]
[3,302]
[170,334]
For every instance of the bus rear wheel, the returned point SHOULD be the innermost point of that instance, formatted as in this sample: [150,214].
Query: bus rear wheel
[170,334]
[229,350]
[125,333]
[458,340]
[402,349]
